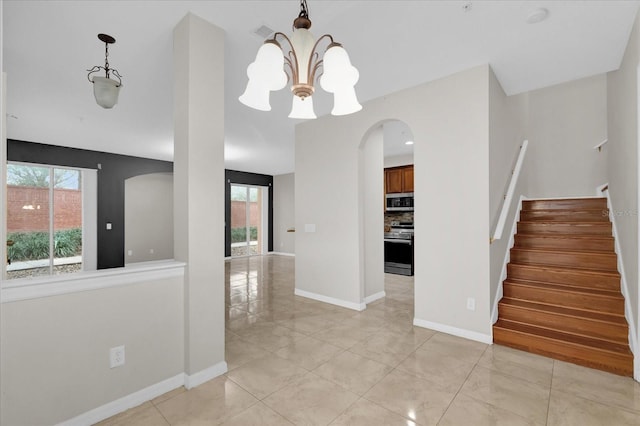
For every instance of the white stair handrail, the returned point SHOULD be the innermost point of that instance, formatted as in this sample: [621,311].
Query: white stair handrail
[497,234]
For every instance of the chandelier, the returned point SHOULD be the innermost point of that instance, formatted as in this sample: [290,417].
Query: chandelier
[105,89]
[272,70]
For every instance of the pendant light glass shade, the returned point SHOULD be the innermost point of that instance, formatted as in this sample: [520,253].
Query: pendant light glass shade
[302,108]
[265,74]
[339,78]
[106,91]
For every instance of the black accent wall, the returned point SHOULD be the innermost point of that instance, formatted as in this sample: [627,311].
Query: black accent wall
[113,170]
[245,178]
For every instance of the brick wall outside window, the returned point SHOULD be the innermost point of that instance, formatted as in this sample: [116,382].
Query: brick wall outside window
[28,209]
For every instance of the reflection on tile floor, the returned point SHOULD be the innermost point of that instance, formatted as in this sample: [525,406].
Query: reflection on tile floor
[297,361]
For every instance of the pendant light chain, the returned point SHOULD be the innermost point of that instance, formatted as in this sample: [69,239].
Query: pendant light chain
[106,58]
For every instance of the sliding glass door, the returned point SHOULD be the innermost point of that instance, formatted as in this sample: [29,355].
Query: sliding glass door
[247,212]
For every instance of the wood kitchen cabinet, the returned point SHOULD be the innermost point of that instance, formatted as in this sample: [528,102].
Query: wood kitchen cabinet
[398,179]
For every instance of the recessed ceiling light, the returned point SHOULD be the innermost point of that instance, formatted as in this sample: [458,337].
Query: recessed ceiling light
[537,15]
[408,143]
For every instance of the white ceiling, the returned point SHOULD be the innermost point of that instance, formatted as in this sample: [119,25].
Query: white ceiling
[48,45]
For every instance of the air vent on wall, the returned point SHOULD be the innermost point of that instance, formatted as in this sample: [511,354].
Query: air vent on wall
[263,31]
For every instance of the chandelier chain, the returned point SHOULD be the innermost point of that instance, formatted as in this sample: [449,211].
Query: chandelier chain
[304,9]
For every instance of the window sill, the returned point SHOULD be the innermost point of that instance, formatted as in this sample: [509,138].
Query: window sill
[37,287]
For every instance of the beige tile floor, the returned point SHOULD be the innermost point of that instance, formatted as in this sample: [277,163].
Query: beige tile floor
[296,361]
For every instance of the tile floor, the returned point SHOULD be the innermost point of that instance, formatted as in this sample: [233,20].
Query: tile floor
[296,361]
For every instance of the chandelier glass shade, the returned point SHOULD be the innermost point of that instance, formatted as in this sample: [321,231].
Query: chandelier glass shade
[301,66]
[105,89]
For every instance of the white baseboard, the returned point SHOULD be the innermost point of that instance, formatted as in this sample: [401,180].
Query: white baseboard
[460,332]
[122,404]
[507,258]
[331,300]
[205,375]
[147,394]
[282,253]
[374,297]
[499,294]
[628,312]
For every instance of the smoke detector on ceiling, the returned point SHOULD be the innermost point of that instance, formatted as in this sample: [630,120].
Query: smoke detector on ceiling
[537,15]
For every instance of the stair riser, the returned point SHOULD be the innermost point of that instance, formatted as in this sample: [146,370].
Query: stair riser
[578,204]
[560,243]
[599,261]
[566,277]
[567,299]
[584,326]
[593,358]
[566,216]
[577,228]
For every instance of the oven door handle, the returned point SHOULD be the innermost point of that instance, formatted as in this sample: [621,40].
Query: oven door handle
[399,241]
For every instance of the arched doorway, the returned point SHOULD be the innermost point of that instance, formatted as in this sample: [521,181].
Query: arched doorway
[387,146]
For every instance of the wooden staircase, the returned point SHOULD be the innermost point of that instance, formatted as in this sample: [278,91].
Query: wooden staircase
[562,293]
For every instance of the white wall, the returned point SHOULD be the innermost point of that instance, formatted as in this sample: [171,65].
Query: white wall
[452,238]
[507,131]
[622,151]
[55,350]
[284,213]
[565,122]
[148,217]
[372,215]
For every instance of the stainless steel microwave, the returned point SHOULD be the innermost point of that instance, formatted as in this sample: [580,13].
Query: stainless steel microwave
[401,202]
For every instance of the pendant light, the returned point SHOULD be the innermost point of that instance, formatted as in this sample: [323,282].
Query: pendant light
[105,89]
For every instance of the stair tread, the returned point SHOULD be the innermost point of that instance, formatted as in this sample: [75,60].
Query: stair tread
[567,236]
[562,337]
[572,209]
[567,288]
[565,222]
[565,250]
[609,272]
[565,203]
[565,311]
[552,250]
[568,269]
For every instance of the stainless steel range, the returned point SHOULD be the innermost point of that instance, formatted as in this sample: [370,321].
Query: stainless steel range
[398,249]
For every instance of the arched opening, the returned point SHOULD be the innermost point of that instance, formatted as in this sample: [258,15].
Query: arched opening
[148,217]
[386,214]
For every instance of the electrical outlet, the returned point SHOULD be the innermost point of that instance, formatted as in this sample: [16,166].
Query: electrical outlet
[130,253]
[151,251]
[116,356]
[471,303]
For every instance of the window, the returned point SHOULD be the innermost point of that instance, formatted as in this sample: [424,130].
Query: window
[45,219]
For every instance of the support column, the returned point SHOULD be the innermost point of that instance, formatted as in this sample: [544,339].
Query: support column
[199,192]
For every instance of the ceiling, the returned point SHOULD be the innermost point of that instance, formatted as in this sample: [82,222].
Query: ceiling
[49,45]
